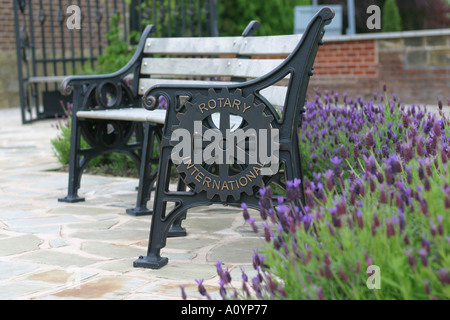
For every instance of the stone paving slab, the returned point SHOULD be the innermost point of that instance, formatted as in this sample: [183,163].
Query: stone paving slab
[57,251]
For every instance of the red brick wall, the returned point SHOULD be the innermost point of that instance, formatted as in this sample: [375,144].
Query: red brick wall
[349,59]
[416,67]
[7,35]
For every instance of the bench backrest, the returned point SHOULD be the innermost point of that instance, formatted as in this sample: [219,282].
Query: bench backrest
[245,58]
[215,60]
[210,61]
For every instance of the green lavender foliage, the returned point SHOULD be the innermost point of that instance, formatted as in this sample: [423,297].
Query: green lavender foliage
[375,224]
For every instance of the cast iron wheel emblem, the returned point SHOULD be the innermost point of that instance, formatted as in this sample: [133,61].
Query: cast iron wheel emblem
[223,112]
[107,134]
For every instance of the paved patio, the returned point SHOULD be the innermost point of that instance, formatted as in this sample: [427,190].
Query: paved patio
[53,250]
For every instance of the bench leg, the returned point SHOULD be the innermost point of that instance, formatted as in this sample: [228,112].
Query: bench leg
[159,231]
[160,222]
[75,167]
[147,177]
[176,230]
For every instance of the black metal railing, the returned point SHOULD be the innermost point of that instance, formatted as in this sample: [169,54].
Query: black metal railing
[49,47]
[176,18]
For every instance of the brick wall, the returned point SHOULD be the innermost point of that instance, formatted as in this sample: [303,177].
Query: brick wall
[7,35]
[414,65]
[347,59]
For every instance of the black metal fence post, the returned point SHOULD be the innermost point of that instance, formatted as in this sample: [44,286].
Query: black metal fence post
[21,56]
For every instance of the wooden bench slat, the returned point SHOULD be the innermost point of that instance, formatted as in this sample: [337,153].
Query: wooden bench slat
[143,115]
[193,46]
[273,46]
[126,114]
[247,46]
[47,79]
[145,84]
[213,67]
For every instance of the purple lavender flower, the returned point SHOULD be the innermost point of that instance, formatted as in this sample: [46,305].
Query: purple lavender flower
[251,222]
[359,219]
[383,196]
[201,289]
[343,275]
[245,211]
[290,191]
[408,175]
[326,259]
[390,230]
[406,239]
[336,161]
[368,259]
[183,293]
[280,200]
[258,260]
[444,276]
[433,230]
[427,184]
[341,206]
[426,284]
[411,259]
[407,152]
[244,275]
[423,256]
[330,228]
[320,294]
[356,150]
[224,275]
[222,290]
[425,244]
[369,140]
[388,173]
[329,179]
[328,273]
[440,219]
[267,233]
[437,128]
[443,153]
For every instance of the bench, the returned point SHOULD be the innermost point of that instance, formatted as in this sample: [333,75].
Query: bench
[108,114]
[210,85]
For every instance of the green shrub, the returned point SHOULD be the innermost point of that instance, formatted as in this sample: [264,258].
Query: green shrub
[276,17]
[392,21]
[118,52]
[110,163]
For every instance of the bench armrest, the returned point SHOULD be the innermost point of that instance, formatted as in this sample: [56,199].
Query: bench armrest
[75,82]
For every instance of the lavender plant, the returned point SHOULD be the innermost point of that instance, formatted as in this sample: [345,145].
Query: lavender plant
[377,186]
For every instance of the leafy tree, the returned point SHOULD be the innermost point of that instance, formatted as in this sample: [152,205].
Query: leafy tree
[392,20]
[415,14]
[276,17]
